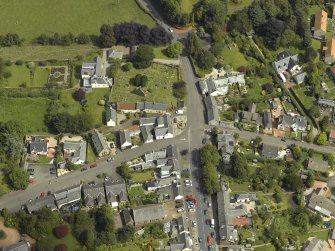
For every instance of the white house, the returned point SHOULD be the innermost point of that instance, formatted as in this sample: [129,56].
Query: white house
[125,139]
[110,116]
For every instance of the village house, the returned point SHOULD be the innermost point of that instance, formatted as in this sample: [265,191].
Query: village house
[43,201]
[212,111]
[146,132]
[94,194]
[219,86]
[151,107]
[19,246]
[147,214]
[225,145]
[330,51]
[270,151]
[322,205]
[99,143]
[316,244]
[110,116]
[267,120]
[245,197]
[38,146]
[251,116]
[75,151]
[68,196]
[116,192]
[126,107]
[320,24]
[125,139]
[289,64]
[326,102]
[93,76]
[180,107]
[297,123]
[133,130]
[317,165]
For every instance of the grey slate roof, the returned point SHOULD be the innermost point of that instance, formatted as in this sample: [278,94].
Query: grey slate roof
[212,109]
[160,154]
[322,204]
[125,137]
[75,150]
[48,202]
[99,142]
[116,191]
[165,181]
[94,194]
[300,77]
[285,61]
[125,217]
[101,81]
[159,132]
[147,121]
[288,121]
[20,246]
[146,133]
[148,213]
[68,195]
[110,114]
[38,145]
[316,245]
[246,196]
[326,102]
[171,151]
[267,120]
[115,54]
[155,106]
[270,151]
[226,142]
[317,165]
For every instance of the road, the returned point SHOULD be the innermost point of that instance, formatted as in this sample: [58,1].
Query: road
[15,199]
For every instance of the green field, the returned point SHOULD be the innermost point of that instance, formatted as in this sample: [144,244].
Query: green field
[40,53]
[233,57]
[187,5]
[21,74]
[31,18]
[158,89]
[131,247]
[233,7]
[30,111]
[73,107]
[139,177]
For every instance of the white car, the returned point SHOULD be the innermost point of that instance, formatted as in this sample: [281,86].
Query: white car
[170,29]
[194,223]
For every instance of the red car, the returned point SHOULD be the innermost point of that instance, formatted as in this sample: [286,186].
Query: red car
[209,240]
[93,165]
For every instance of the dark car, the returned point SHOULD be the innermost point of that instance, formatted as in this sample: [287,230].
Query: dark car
[283,139]
[204,140]
[84,169]
[212,234]
[93,165]
[200,239]
[209,247]
[109,159]
[205,212]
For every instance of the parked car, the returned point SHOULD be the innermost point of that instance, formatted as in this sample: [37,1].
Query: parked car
[212,234]
[170,29]
[93,165]
[205,212]
[83,169]
[205,200]
[209,240]
[194,223]
[31,171]
[200,239]
[283,139]
[109,159]
[209,204]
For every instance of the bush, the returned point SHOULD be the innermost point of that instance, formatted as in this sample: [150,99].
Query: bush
[7,74]
[127,67]
[19,62]
[2,235]
[60,247]
[61,231]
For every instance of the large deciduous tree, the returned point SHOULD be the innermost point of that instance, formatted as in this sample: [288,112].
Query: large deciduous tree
[143,57]
[107,38]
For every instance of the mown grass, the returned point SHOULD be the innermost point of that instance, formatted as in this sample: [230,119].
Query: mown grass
[233,7]
[69,240]
[187,5]
[22,74]
[34,17]
[140,177]
[233,57]
[158,89]
[30,111]
[40,53]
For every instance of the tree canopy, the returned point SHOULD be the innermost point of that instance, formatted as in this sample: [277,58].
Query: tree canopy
[210,159]
[143,57]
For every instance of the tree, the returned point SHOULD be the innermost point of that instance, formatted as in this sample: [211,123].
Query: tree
[107,38]
[60,247]
[205,60]
[210,159]
[154,230]
[310,137]
[104,221]
[2,235]
[61,231]
[268,87]
[126,233]
[310,179]
[115,65]
[174,50]
[127,66]
[83,39]
[18,178]
[158,36]
[140,80]
[315,111]
[256,14]
[239,163]
[180,89]
[325,124]
[278,196]
[143,57]
[240,22]
[296,150]
[79,94]
[292,182]
[124,171]
[322,139]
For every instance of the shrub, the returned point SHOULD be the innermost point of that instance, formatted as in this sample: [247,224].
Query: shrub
[60,247]
[127,67]
[7,74]
[19,62]
[61,231]
[2,235]
[42,63]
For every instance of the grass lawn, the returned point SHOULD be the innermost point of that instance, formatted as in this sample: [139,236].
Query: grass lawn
[44,159]
[69,240]
[187,5]
[233,57]
[34,17]
[3,186]
[40,53]
[74,107]
[21,74]
[237,187]
[136,194]
[321,234]
[90,154]
[140,177]
[160,54]
[30,111]
[131,247]
[266,247]
[307,101]
[232,7]
[313,9]
[158,89]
